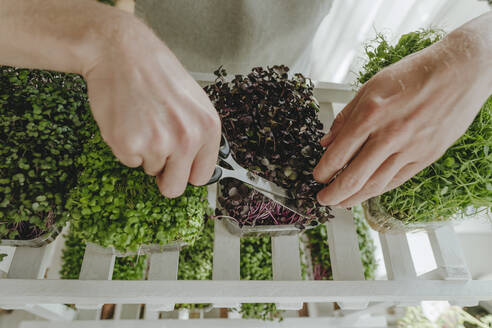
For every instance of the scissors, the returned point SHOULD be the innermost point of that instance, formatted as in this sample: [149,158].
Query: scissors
[267,188]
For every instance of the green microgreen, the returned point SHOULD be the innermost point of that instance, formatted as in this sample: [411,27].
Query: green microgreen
[460,182]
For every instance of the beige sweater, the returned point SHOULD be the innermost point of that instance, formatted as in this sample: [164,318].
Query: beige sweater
[238,34]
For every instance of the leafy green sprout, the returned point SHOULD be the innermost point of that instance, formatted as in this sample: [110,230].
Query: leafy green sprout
[113,205]
[460,182]
[42,130]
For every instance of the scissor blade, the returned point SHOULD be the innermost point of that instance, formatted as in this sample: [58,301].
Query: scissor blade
[255,181]
[267,188]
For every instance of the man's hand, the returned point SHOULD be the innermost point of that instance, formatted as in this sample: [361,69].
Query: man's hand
[152,113]
[149,109]
[406,116]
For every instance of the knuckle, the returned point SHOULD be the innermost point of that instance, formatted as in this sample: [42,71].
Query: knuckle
[372,187]
[159,145]
[125,142]
[211,121]
[349,182]
[189,138]
[372,106]
[336,163]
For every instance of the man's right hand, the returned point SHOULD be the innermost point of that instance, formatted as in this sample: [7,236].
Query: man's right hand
[149,109]
[151,112]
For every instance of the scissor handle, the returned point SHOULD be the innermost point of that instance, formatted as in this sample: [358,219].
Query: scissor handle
[216,176]
[224,152]
[224,149]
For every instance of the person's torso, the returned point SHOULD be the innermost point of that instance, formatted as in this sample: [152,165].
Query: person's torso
[238,34]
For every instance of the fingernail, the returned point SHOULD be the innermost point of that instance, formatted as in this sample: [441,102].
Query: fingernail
[325,138]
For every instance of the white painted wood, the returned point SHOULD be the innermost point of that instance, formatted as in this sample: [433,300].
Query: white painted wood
[306,256]
[151,314]
[226,262]
[53,312]
[55,261]
[127,311]
[117,311]
[397,257]
[5,263]
[449,258]
[163,266]
[286,264]
[379,307]
[89,314]
[448,254]
[345,258]
[212,195]
[326,115]
[184,314]
[366,322]
[431,275]
[98,264]
[20,291]
[30,262]
[398,260]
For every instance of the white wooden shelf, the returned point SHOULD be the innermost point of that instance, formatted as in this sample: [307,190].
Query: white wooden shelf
[25,286]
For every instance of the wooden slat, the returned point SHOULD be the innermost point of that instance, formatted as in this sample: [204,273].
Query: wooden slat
[326,115]
[90,314]
[98,264]
[226,262]
[127,311]
[163,266]
[362,322]
[449,258]
[286,264]
[398,260]
[448,254]
[151,314]
[397,257]
[30,262]
[20,291]
[5,263]
[333,92]
[345,258]
[52,312]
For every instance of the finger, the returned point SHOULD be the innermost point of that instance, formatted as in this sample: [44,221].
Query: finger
[172,182]
[357,173]
[339,152]
[204,163]
[378,181]
[339,122]
[154,165]
[406,173]
[126,159]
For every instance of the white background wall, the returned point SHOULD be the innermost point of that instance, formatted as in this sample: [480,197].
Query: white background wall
[339,42]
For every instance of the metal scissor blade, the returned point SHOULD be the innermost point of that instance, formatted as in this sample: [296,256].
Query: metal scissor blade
[257,182]
[267,188]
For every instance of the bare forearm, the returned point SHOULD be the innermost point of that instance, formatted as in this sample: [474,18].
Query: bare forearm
[474,41]
[59,35]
